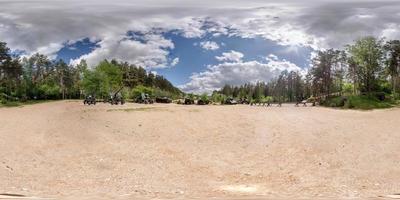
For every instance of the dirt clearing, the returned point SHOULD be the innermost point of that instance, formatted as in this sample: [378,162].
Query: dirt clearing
[67,150]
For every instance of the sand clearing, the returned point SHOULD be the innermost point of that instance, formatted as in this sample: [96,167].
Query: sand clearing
[67,150]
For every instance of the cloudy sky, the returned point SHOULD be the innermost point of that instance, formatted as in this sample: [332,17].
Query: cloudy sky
[198,45]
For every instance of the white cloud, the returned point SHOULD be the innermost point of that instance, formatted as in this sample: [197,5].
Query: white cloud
[175,61]
[271,57]
[233,56]
[209,45]
[50,50]
[152,53]
[391,31]
[236,73]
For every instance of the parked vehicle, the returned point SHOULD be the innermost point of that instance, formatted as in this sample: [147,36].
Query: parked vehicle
[203,102]
[230,101]
[188,101]
[89,100]
[243,101]
[116,98]
[144,98]
[163,100]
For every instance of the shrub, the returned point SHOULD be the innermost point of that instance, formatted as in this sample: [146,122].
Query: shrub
[336,102]
[348,88]
[362,102]
[138,90]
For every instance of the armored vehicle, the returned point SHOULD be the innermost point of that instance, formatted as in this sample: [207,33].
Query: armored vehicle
[144,98]
[163,100]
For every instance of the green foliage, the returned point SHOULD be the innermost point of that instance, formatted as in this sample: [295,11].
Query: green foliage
[348,88]
[204,97]
[20,104]
[49,91]
[392,62]
[190,96]
[327,72]
[218,98]
[363,102]
[111,75]
[138,90]
[93,83]
[367,103]
[366,56]
[4,103]
[268,99]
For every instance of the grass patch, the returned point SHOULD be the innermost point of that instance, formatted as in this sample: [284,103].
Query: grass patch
[134,109]
[11,104]
[360,102]
[20,104]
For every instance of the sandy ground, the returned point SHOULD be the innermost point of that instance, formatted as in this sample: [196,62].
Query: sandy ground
[70,151]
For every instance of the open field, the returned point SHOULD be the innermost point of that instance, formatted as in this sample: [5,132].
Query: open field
[66,150]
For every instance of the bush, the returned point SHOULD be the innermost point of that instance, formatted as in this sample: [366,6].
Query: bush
[363,102]
[10,104]
[348,88]
[267,99]
[138,90]
[336,102]
[216,97]
[49,91]
[204,98]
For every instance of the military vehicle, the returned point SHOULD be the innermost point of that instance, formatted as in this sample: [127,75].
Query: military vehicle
[116,98]
[203,102]
[188,101]
[144,98]
[163,100]
[230,101]
[89,100]
[243,101]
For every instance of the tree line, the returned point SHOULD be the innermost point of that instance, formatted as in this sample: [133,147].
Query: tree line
[368,67]
[39,77]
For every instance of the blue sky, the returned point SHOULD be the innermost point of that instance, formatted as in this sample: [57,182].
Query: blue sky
[198,45]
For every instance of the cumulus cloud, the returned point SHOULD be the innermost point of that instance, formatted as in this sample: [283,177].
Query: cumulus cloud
[233,56]
[151,53]
[209,45]
[237,73]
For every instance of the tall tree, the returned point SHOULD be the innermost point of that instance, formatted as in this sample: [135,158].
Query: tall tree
[392,61]
[10,71]
[367,55]
[326,66]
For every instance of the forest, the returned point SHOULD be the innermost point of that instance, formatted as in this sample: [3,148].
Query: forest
[39,78]
[365,73]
